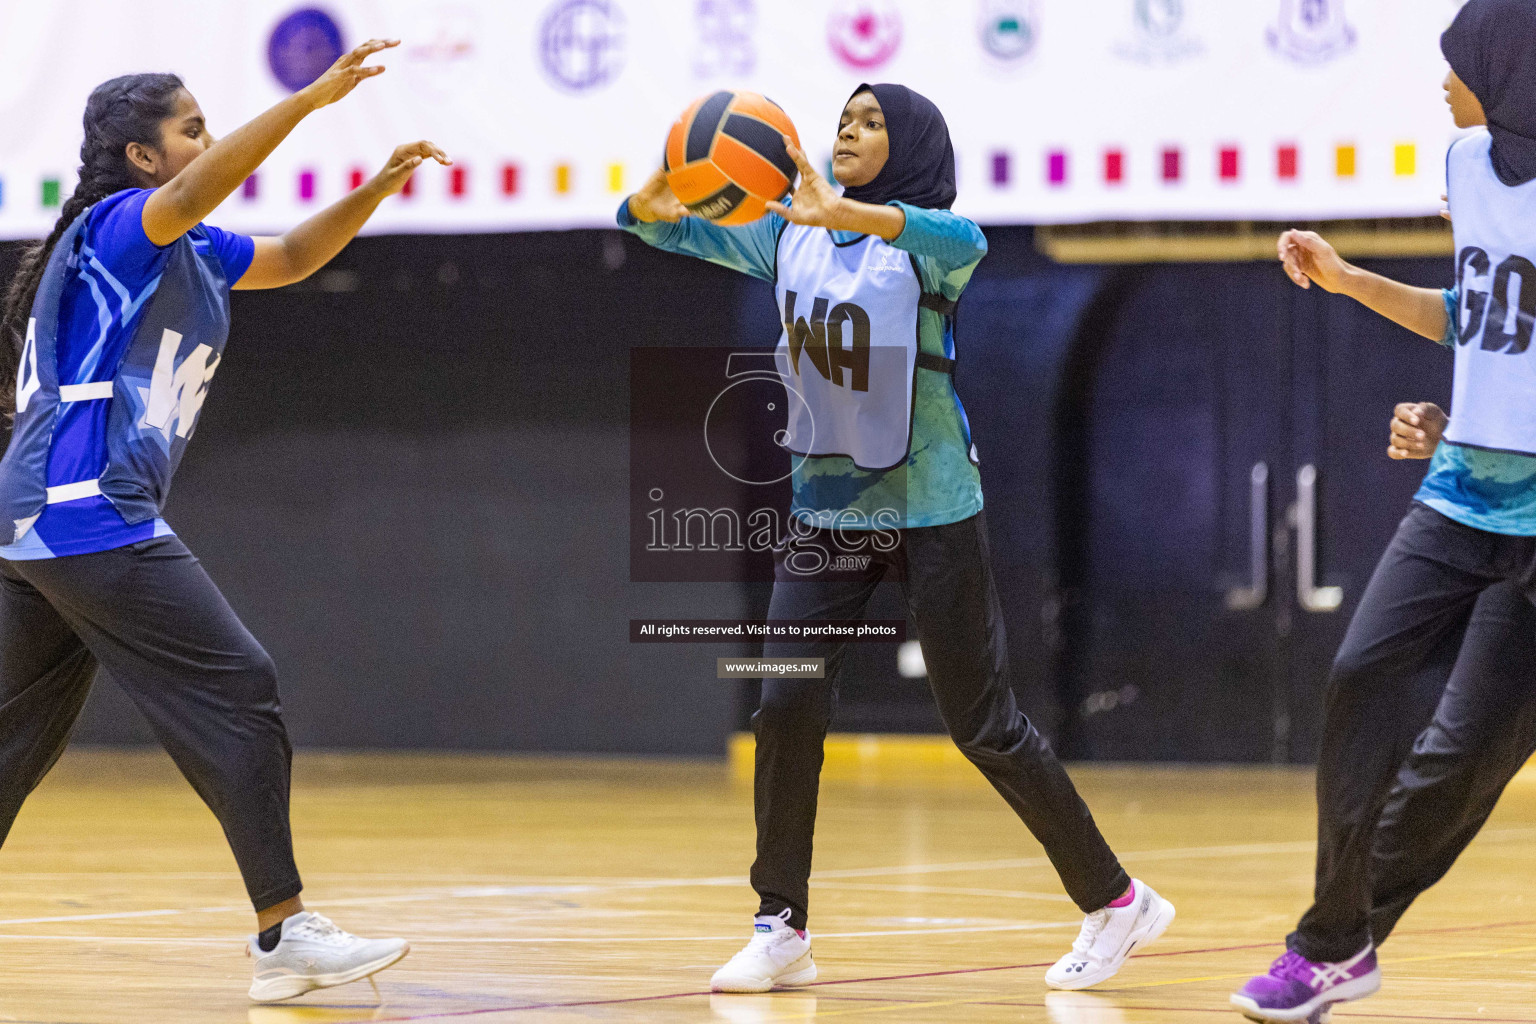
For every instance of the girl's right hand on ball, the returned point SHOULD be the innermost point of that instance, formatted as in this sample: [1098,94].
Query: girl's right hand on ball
[655,201]
[1308,257]
[342,77]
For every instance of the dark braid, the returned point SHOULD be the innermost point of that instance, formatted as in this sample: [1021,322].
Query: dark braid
[123,110]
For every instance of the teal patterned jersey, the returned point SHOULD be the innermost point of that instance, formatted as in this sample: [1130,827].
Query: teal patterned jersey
[1493,491]
[939,482]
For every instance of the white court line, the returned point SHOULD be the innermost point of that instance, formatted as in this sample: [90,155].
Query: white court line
[496,940]
[948,890]
[619,885]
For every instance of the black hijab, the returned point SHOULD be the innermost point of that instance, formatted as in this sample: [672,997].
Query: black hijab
[1492,48]
[921,168]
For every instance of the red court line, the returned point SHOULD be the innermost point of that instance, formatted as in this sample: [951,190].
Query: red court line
[446,1014]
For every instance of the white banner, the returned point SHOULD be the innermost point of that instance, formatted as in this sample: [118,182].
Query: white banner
[1061,110]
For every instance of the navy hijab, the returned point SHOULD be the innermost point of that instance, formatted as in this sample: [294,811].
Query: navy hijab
[1492,48]
[921,168]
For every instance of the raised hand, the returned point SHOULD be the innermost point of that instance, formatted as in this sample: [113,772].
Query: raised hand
[655,201]
[815,201]
[1415,430]
[342,77]
[1308,258]
[403,163]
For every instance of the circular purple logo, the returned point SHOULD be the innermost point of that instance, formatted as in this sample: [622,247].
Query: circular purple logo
[581,43]
[303,45]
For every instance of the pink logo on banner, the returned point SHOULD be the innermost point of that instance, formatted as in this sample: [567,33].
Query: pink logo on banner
[864,33]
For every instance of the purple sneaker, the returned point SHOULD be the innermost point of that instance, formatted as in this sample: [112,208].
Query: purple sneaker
[1297,989]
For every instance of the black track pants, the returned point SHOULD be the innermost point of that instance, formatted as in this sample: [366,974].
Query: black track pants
[1382,693]
[151,617]
[946,579]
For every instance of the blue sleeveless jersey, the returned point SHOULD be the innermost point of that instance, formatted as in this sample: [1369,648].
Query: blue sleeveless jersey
[122,343]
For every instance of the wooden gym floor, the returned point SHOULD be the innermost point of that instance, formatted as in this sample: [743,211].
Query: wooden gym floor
[550,889]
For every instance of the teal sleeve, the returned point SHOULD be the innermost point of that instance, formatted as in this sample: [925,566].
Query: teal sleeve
[751,248]
[947,246]
[1452,317]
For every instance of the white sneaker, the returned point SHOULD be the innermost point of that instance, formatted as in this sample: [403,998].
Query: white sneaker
[314,953]
[1107,938]
[778,956]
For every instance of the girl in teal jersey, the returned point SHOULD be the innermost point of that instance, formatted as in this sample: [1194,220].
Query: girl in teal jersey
[867,283]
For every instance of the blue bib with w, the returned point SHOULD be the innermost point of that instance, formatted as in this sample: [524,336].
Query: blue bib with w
[156,392]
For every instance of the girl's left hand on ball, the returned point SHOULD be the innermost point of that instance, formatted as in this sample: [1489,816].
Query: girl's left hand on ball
[815,202]
[403,163]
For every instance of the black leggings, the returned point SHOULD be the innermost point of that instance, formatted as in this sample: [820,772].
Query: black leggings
[1444,599]
[151,617]
[946,579]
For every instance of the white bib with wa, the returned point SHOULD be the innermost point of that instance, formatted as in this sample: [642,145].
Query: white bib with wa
[849,348]
[1493,400]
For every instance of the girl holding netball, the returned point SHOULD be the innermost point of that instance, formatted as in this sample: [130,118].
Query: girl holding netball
[113,328]
[1467,548]
[867,283]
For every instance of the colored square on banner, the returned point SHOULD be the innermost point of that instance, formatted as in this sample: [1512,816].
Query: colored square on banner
[999,169]
[1114,166]
[51,192]
[1227,163]
[562,179]
[615,177]
[1171,164]
[307,185]
[1286,162]
[410,187]
[458,182]
[250,188]
[1404,159]
[1344,161]
[1056,167]
[2,193]
[355,179]
[509,179]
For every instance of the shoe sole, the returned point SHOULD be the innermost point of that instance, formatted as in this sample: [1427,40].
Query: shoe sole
[291,985]
[1144,936]
[1317,1010]
[804,976]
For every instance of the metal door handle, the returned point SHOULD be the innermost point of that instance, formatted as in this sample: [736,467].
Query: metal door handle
[1310,597]
[1242,599]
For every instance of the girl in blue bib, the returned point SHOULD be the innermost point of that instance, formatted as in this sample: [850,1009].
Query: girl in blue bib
[1461,569]
[113,329]
[867,283]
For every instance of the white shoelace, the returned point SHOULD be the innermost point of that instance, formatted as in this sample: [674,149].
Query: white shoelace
[1093,925]
[321,929]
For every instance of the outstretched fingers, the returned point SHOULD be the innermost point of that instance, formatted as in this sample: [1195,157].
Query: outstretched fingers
[363,51]
[420,151]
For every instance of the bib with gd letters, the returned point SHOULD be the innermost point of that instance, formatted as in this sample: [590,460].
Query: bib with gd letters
[1493,401]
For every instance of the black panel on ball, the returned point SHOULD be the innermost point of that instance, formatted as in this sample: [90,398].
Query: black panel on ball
[718,205]
[701,134]
[763,139]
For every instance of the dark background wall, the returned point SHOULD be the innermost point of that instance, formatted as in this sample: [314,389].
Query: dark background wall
[411,480]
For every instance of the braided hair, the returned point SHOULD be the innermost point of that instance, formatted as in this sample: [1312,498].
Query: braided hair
[123,110]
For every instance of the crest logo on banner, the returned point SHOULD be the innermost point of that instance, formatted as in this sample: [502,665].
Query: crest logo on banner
[1311,31]
[864,34]
[302,46]
[582,43]
[1009,29]
[1159,36]
[442,47]
[725,37]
